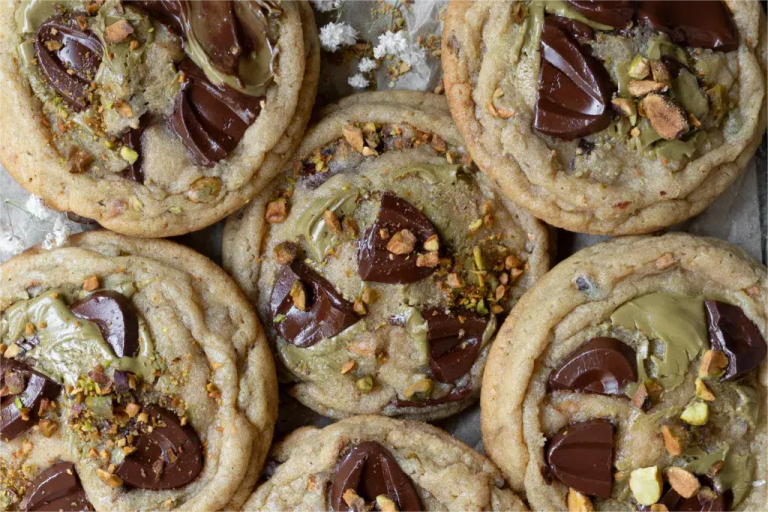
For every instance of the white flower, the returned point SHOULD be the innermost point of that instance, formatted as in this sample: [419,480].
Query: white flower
[10,244]
[413,55]
[36,207]
[58,236]
[334,35]
[326,5]
[365,65]
[390,44]
[358,81]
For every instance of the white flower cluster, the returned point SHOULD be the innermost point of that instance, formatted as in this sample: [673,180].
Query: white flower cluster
[59,234]
[10,245]
[358,81]
[335,35]
[390,43]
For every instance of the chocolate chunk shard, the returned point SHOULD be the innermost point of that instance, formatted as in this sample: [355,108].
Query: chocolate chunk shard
[602,365]
[696,23]
[326,313]
[56,488]
[574,88]
[35,386]
[454,340]
[370,471]
[81,220]
[616,13]
[674,502]
[168,457]
[133,139]
[210,120]
[116,318]
[375,262]
[69,58]
[732,332]
[455,395]
[581,456]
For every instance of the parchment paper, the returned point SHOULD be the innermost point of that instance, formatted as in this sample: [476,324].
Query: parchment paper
[738,216]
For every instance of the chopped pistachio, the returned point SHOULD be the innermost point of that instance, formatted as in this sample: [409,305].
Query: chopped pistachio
[129,155]
[421,389]
[299,296]
[277,211]
[642,87]
[432,243]
[386,504]
[477,256]
[364,384]
[713,363]
[672,442]
[683,481]
[627,108]
[639,67]
[646,485]
[402,242]
[660,72]
[578,502]
[696,414]
[359,307]
[666,116]
[703,392]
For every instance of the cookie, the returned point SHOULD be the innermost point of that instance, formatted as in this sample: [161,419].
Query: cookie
[608,117]
[381,262]
[153,118]
[372,460]
[135,376]
[633,376]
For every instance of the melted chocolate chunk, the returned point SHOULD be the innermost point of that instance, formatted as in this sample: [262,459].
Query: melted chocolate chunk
[616,13]
[453,343]
[454,395]
[133,139]
[326,313]
[696,23]
[69,58]
[370,470]
[56,488]
[210,120]
[215,25]
[674,502]
[374,262]
[168,457]
[574,28]
[602,365]
[732,332]
[574,88]
[81,220]
[168,12]
[581,456]
[36,386]
[116,318]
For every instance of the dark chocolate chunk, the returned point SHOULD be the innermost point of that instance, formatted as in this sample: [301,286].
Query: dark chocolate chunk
[133,139]
[168,12]
[455,395]
[168,457]
[56,488]
[615,13]
[576,29]
[122,380]
[374,262]
[370,470]
[732,332]
[210,120]
[674,502]
[69,58]
[325,314]
[34,388]
[602,365]
[574,88]
[215,27]
[116,318]
[696,23]
[581,456]
[454,340]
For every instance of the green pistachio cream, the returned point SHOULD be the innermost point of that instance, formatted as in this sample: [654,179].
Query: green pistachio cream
[669,334]
[67,346]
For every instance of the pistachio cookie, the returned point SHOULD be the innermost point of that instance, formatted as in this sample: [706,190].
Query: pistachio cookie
[373,461]
[381,262]
[633,377]
[154,118]
[135,376]
[608,117]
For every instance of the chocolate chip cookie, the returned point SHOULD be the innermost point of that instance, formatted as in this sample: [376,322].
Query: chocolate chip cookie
[135,376]
[633,377]
[372,461]
[608,117]
[382,263]
[153,118]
